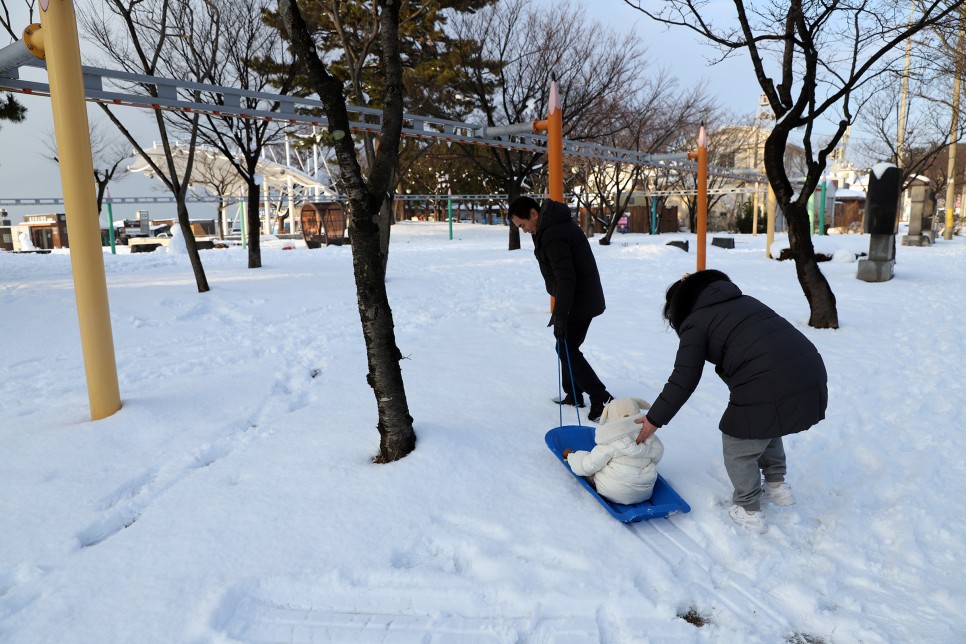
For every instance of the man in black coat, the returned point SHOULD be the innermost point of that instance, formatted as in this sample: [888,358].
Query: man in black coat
[775,375]
[570,274]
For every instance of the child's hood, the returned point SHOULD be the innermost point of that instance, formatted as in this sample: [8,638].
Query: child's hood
[615,429]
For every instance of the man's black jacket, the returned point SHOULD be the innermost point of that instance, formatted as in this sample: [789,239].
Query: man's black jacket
[567,264]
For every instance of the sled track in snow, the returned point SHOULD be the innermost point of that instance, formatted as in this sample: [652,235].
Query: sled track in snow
[742,598]
[258,620]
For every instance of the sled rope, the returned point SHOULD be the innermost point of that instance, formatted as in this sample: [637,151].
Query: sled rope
[573,386]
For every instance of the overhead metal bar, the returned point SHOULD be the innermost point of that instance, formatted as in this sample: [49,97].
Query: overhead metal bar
[711,191]
[54,201]
[112,87]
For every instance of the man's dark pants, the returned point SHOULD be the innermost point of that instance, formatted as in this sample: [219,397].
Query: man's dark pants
[584,377]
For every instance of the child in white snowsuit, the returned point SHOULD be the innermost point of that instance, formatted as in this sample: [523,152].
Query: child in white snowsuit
[621,470]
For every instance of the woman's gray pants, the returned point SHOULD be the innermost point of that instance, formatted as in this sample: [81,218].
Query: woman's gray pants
[746,459]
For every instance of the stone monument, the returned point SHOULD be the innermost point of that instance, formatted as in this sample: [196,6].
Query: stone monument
[920,217]
[881,211]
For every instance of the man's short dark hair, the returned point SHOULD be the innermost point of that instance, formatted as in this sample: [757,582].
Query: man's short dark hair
[521,207]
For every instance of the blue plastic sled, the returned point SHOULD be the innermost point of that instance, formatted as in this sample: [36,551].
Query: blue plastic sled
[664,502]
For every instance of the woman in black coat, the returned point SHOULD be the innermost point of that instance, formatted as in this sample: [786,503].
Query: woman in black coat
[776,378]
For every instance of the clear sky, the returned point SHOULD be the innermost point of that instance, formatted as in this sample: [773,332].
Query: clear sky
[690,59]
[25,172]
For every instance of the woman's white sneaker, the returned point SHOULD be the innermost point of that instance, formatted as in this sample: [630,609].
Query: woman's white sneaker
[753,521]
[779,495]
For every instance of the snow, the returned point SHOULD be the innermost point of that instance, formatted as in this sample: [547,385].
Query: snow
[880,168]
[233,498]
[177,244]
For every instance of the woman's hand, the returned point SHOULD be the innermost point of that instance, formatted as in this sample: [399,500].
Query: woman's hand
[646,431]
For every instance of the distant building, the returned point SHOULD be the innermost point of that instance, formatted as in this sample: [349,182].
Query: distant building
[849,211]
[41,232]
[6,231]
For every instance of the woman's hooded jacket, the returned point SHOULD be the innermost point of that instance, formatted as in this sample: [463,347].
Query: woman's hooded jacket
[775,375]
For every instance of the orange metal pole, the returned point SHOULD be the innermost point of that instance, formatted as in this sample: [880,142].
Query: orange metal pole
[702,157]
[553,126]
[555,145]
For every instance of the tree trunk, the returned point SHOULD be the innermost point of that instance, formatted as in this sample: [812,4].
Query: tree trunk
[253,223]
[221,218]
[396,435]
[821,300]
[818,293]
[101,187]
[191,245]
[611,227]
[513,191]
[385,228]
[365,201]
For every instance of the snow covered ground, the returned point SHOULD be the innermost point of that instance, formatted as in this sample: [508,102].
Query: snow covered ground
[233,497]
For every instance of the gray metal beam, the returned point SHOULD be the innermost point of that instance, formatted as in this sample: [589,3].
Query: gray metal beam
[111,87]
[14,56]
[54,201]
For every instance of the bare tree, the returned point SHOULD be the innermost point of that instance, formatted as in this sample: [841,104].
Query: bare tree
[365,197]
[347,32]
[727,148]
[822,55]
[918,99]
[508,54]
[660,119]
[108,153]
[241,63]
[7,23]
[211,176]
[170,38]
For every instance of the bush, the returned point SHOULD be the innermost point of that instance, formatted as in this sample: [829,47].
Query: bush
[743,220]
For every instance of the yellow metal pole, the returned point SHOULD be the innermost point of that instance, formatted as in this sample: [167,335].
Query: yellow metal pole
[62,52]
[754,206]
[770,209]
[951,166]
[702,156]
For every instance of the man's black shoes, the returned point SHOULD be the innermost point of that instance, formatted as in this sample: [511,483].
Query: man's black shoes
[569,400]
[597,407]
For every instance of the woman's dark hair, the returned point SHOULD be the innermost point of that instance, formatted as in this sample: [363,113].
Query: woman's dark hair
[682,294]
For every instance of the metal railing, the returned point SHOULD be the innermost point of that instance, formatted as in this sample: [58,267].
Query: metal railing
[114,87]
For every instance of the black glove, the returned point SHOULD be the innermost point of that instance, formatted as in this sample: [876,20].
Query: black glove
[559,327]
